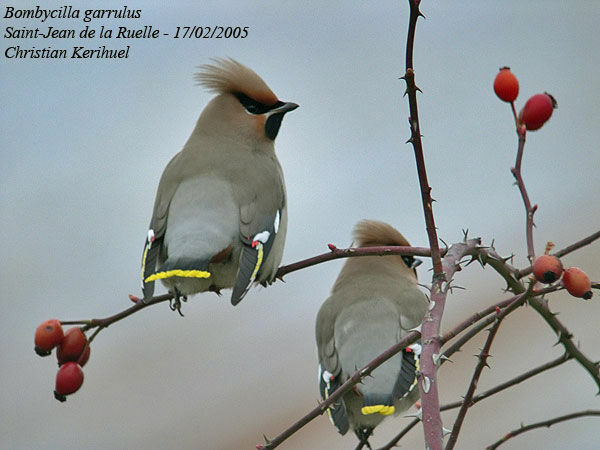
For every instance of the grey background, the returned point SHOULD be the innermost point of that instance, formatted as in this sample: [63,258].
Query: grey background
[83,144]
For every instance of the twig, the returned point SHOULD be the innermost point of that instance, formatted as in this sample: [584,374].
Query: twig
[564,337]
[545,423]
[565,251]
[335,395]
[483,356]
[507,384]
[499,264]
[105,322]
[336,253]
[364,440]
[529,210]
[431,324]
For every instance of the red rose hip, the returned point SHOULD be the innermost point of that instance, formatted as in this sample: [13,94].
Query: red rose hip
[72,346]
[47,336]
[506,85]
[68,380]
[577,283]
[537,111]
[547,269]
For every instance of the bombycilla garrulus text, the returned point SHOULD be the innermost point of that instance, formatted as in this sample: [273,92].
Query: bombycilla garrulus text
[374,303]
[220,214]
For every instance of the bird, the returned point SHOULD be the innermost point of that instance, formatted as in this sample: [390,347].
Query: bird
[220,214]
[373,304]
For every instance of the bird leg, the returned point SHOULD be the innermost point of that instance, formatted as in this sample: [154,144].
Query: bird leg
[363,435]
[215,289]
[175,302]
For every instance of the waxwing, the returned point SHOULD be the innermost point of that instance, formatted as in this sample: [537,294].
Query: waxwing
[220,214]
[374,303]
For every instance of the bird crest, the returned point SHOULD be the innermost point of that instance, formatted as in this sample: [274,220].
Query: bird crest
[369,233]
[229,76]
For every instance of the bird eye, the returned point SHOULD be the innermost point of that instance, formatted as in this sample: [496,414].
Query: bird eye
[251,105]
[409,261]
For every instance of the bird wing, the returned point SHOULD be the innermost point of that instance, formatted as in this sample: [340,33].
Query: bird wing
[169,181]
[330,370]
[257,234]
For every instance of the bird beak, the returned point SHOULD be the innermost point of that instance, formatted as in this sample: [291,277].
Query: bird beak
[286,107]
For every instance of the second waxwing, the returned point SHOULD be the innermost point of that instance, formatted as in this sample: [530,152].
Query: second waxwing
[374,303]
[220,214]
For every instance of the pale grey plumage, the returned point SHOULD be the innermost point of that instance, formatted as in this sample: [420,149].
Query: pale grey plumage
[374,303]
[223,191]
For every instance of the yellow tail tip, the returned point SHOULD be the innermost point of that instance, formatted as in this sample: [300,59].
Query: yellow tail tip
[384,410]
[178,273]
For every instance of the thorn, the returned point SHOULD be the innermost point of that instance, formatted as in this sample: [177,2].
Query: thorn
[418,89]
[410,141]
[492,244]
[442,356]
[426,286]
[134,298]
[267,440]
[443,242]
[426,384]
[508,258]
[417,328]
[418,414]
[498,311]
[446,431]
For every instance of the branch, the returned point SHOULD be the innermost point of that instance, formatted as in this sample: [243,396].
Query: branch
[507,384]
[529,210]
[512,382]
[431,324]
[546,423]
[564,337]
[505,270]
[565,251]
[483,355]
[339,392]
[337,253]
[105,322]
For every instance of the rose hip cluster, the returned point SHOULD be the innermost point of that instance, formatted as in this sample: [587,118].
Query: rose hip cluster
[72,353]
[537,109]
[548,269]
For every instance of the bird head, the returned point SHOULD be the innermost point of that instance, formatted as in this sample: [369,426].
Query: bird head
[372,233]
[245,108]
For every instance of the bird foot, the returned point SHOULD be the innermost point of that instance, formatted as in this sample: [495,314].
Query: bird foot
[175,302]
[215,289]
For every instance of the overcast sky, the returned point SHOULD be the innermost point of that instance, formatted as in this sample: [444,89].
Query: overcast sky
[84,142]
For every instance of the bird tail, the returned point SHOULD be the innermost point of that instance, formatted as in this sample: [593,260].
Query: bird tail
[182,267]
[383,404]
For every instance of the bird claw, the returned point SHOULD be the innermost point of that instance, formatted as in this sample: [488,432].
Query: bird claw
[175,302]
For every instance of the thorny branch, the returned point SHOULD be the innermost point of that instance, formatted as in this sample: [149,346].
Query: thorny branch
[546,423]
[430,328]
[507,384]
[565,251]
[336,253]
[529,210]
[353,380]
[483,355]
